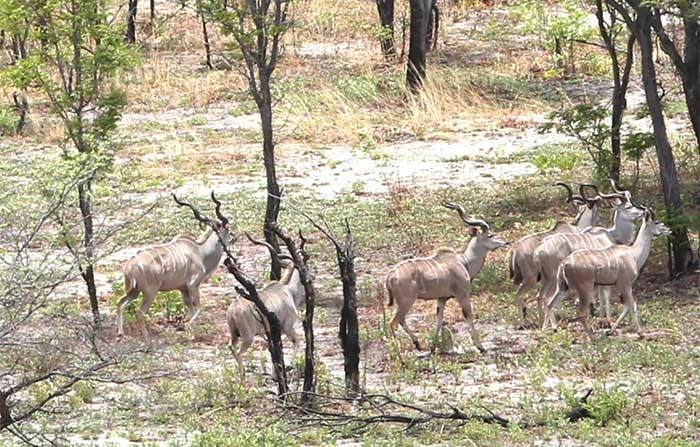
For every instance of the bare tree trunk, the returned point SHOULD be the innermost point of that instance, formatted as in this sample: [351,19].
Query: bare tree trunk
[682,254]
[207,45]
[687,64]
[349,326]
[417,48]
[433,26]
[273,190]
[22,107]
[386,19]
[87,272]
[309,363]
[691,82]
[130,35]
[620,82]
[152,15]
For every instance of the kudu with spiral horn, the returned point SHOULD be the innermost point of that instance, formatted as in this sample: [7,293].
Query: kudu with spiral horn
[554,249]
[617,265]
[182,264]
[444,275]
[521,263]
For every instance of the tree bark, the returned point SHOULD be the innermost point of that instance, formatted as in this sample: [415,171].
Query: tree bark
[433,26]
[130,36]
[207,45]
[417,47]
[386,19]
[349,326]
[87,272]
[682,254]
[273,191]
[620,82]
[688,64]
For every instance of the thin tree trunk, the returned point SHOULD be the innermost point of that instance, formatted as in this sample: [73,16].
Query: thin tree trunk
[130,36]
[349,326]
[688,64]
[433,26]
[152,16]
[87,272]
[273,191]
[620,83]
[682,253]
[309,363]
[207,45]
[386,19]
[417,47]
[691,81]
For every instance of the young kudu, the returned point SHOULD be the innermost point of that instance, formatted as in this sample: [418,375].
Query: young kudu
[444,275]
[523,270]
[282,297]
[182,264]
[618,265]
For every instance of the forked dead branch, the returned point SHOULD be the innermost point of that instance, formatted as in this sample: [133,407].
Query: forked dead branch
[250,292]
[380,408]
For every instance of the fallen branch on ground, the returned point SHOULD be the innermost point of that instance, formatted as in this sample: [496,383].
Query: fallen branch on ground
[380,408]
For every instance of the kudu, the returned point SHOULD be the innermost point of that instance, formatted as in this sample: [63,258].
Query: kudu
[182,264]
[282,297]
[444,275]
[554,249]
[523,270]
[618,265]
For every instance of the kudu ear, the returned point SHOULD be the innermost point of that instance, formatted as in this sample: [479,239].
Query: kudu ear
[473,231]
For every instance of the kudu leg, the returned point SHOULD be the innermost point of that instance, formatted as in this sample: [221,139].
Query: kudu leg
[142,313]
[438,321]
[123,302]
[469,317]
[523,288]
[619,320]
[551,307]
[193,293]
[584,301]
[245,344]
[631,304]
[545,295]
[400,318]
[604,305]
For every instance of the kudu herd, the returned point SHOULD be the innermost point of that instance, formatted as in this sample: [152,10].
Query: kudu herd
[579,256]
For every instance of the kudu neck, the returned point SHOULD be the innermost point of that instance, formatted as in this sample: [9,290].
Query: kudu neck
[587,218]
[474,256]
[642,245]
[622,231]
[211,249]
[292,280]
